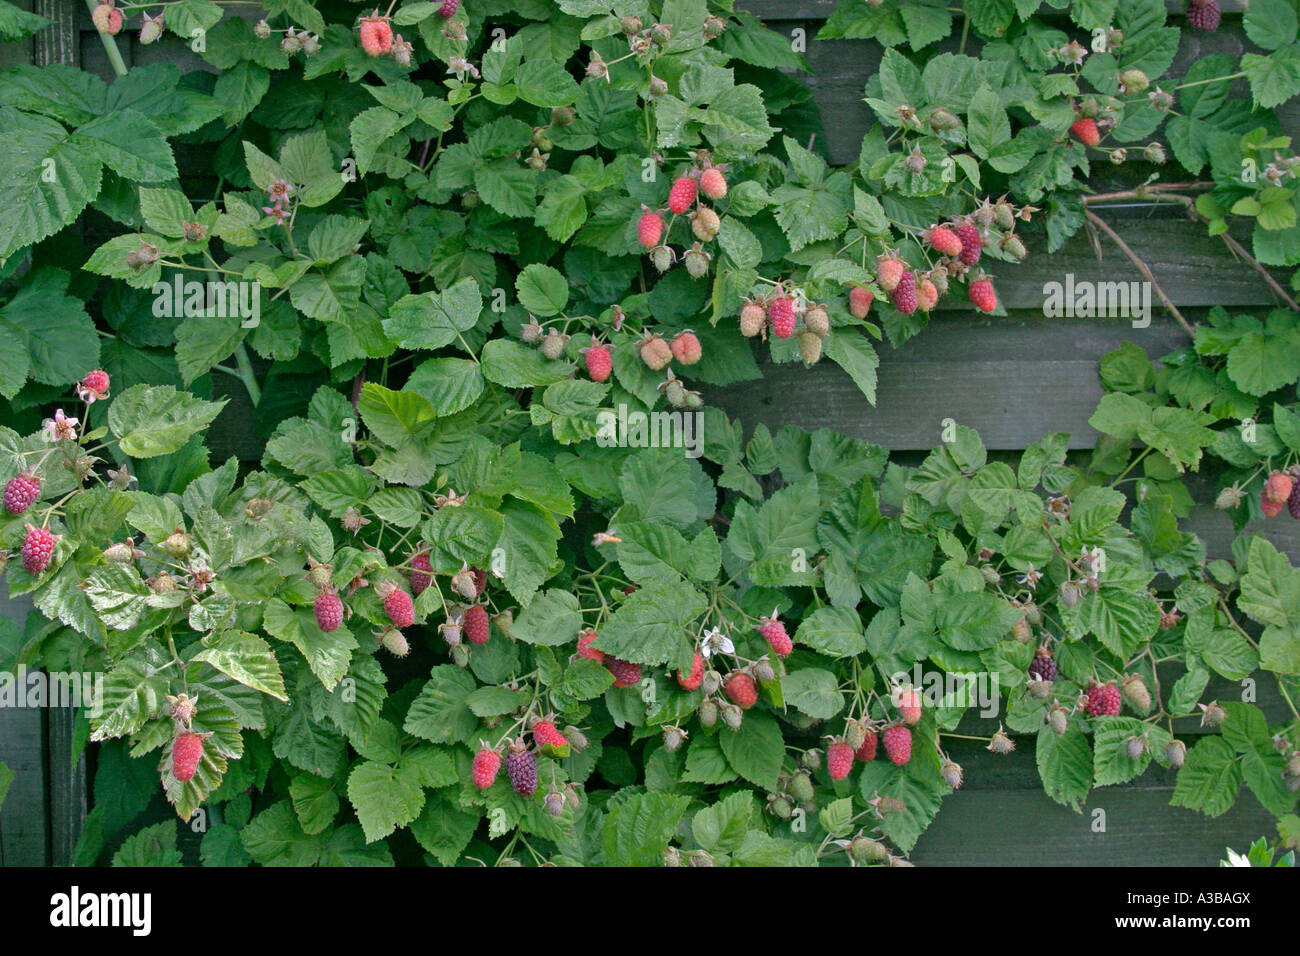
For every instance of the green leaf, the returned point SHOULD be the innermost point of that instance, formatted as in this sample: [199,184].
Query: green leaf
[542,290]
[854,354]
[639,827]
[46,181]
[460,536]
[528,543]
[722,827]
[650,626]
[50,336]
[314,801]
[384,798]
[443,829]
[834,631]
[153,846]
[552,619]
[1210,779]
[274,838]
[814,691]
[440,712]
[1271,24]
[248,659]
[756,750]
[157,420]
[1065,765]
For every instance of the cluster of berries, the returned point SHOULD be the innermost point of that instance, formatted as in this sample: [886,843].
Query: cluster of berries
[786,312]
[521,763]
[960,246]
[702,179]
[1281,490]
[108,19]
[654,350]
[24,489]
[862,739]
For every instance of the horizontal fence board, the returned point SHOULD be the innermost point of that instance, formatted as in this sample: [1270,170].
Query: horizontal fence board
[1192,267]
[822,9]
[1002,817]
[1012,379]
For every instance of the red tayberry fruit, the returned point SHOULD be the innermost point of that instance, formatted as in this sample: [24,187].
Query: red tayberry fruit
[774,633]
[487,763]
[867,752]
[972,244]
[944,241]
[1104,700]
[889,272]
[713,184]
[21,492]
[586,650]
[692,680]
[96,382]
[476,625]
[400,608]
[781,316]
[187,751]
[839,760]
[1085,131]
[37,549]
[686,348]
[860,300]
[547,737]
[741,690]
[1270,507]
[107,19]
[909,705]
[599,362]
[448,9]
[898,744]
[626,674]
[1278,487]
[927,294]
[982,295]
[376,34]
[682,195]
[328,610]
[904,294]
[649,229]
[421,573]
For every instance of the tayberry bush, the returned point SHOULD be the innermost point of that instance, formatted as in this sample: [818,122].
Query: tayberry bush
[447,618]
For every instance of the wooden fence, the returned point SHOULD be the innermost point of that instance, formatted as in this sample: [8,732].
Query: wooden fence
[1013,379]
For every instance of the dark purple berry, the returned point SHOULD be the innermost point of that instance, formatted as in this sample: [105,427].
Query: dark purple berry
[521,767]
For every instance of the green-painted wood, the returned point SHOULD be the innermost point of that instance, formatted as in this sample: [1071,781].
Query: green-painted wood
[24,816]
[1001,817]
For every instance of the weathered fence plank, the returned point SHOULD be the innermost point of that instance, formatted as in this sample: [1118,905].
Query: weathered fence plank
[822,9]
[1001,817]
[1012,379]
[24,820]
